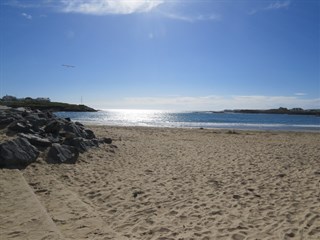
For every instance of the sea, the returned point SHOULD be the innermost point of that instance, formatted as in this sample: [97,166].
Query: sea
[196,119]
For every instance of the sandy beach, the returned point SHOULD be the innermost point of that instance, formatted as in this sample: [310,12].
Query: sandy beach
[162,183]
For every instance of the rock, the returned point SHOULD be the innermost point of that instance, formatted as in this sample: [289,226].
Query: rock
[65,134]
[105,140]
[41,114]
[22,127]
[36,121]
[281,175]
[17,152]
[23,110]
[136,193]
[81,144]
[79,124]
[95,142]
[62,154]
[53,138]
[75,129]
[235,196]
[53,126]
[48,114]
[78,143]
[89,134]
[43,129]
[4,122]
[36,140]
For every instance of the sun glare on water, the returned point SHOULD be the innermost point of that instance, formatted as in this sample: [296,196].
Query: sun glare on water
[137,115]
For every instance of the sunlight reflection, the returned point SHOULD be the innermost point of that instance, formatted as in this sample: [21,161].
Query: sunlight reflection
[137,115]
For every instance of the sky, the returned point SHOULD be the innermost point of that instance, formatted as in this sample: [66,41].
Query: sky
[163,54]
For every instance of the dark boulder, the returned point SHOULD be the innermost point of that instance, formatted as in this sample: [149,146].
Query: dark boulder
[79,124]
[62,154]
[53,138]
[105,140]
[49,114]
[89,134]
[53,126]
[35,128]
[36,121]
[95,142]
[75,129]
[17,152]
[21,126]
[36,140]
[78,143]
[81,144]
[41,115]
[4,122]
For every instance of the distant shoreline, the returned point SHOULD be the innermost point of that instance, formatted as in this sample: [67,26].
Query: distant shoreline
[48,106]
[294,111]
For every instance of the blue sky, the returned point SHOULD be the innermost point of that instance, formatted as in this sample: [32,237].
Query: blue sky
[163,54]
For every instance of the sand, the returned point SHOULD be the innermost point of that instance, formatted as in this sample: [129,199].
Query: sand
[177,184]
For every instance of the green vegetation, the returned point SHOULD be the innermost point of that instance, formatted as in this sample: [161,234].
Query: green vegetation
[46,105]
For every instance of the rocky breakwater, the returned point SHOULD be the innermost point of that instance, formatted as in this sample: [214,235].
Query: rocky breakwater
[36,132]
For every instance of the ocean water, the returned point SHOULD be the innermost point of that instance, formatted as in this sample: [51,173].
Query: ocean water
[157,118]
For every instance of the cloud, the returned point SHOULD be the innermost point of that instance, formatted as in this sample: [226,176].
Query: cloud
[212,102]
[272,6]
[105,7]
[278,5]
[27,16]
[30,3]
[109,7]
[186,18]
[300,94]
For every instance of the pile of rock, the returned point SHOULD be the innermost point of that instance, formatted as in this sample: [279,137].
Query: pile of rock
[61,139]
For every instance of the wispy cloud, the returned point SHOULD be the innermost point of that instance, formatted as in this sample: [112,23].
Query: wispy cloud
[187,18]
[24,4]
[27,16]
[213,102]
[300,94]
[113,7]
[272,6]
[278,5]
[105,7]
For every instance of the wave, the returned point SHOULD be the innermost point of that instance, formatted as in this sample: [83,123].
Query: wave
[240,126]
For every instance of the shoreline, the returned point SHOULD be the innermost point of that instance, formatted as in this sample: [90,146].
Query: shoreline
[173,183]
[198,120]
[201,128]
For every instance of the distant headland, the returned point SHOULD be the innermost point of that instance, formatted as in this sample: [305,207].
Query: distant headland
[281,110]
[43,104]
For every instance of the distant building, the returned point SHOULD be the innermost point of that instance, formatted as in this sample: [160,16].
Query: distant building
[42,99]
[8,98]
[297,109]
